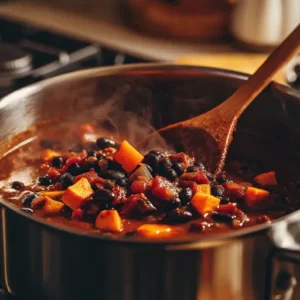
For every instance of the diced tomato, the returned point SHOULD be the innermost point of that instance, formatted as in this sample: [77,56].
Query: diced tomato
[129,207]
[120,195]
[75,159]
[91,176]
[163,188]
[53,173]
[229,208]
[139,186]
[197,177]
[189,184]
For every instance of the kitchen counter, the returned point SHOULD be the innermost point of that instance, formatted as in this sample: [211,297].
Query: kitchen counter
[102,22]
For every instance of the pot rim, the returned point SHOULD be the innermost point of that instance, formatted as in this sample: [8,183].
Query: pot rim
[155,68]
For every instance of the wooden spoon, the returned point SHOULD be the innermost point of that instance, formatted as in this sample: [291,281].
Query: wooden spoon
[209,135]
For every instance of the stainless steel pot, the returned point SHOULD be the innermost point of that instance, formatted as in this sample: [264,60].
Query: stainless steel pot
[44,261]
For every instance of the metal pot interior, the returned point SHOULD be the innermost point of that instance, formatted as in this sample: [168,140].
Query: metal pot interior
[164,94]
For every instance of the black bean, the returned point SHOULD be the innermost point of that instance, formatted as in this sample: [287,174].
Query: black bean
[170,174]
[26,201]
[152,158]
[123,182]
[113,175]
[171,204]
[178,168]
[92,153]
[192,169]
[113,165]
[186,195]
[74,169]
[109,184]
[221,178]
[200,165]
[17,185]
[217,190]
[164,164]
[179,215]
[224,200]
[45,180]
[92,208]
[145,207]
[67,212]
[57,162]
[104,195]
[104,142]
[66,180]
[222,217]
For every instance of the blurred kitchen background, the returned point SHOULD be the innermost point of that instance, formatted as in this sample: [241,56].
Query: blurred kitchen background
[42,38]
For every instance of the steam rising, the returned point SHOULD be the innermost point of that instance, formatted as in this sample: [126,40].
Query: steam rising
[115,121]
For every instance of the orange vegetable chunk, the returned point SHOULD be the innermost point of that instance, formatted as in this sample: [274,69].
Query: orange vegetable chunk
[128,157]
[48,154]
[50,206]
[77,193]
[204,203]
[109,220]
[268,178]
[257,198]
[158,231]
[203,188]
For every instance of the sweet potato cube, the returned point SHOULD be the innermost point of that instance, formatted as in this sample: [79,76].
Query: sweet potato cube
[109,220]
[128,157]
[158,231]
[50,206]
[77,193]
[203,188]
[204,203]
[48,154]
[257,198]
[268,178]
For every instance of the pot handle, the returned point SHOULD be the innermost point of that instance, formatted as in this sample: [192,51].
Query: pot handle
[284,266]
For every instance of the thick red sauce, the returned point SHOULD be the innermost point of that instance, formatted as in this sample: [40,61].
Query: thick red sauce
[177,193]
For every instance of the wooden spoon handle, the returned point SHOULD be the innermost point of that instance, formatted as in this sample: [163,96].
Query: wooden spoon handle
[238,102]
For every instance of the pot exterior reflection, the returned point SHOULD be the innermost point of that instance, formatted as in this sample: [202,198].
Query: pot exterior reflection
[42,262]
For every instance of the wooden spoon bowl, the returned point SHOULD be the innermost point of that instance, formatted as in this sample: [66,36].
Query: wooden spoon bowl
[209,135]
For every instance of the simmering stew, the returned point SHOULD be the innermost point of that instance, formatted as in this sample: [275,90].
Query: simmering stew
[95,183]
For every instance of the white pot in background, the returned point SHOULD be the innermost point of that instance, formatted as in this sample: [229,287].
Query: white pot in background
[264,23]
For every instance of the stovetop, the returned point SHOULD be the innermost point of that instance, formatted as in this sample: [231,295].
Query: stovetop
[29,54]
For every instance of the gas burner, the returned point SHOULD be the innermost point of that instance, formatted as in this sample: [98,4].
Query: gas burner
[29,54]
[14,60]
